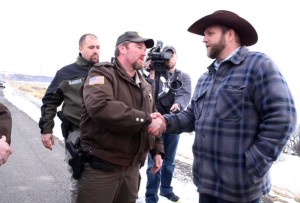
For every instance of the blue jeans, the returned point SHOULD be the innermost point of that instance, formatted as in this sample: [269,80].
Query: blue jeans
[164,176]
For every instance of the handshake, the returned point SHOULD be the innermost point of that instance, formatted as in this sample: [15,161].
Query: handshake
[158,125]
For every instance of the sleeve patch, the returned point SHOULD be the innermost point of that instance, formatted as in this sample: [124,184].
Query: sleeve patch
[96,80]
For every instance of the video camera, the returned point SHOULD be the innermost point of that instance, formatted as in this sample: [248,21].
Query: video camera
[158,57]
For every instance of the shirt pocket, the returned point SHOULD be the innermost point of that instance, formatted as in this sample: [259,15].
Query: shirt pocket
[230,103]
[197,102]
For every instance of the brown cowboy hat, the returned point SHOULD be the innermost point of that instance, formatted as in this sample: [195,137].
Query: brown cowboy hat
[228,19]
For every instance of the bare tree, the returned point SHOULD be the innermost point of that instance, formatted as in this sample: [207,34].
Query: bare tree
[293,145]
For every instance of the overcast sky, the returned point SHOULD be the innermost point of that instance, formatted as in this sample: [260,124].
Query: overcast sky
[39,37]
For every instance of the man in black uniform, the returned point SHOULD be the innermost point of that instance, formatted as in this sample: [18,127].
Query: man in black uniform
[65,89]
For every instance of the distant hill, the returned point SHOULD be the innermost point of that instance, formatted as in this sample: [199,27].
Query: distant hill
[22,77]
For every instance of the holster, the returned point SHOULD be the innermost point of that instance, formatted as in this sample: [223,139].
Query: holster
[78,158]
[65,125]
[77,165]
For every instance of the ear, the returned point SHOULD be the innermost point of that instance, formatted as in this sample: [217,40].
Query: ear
[122,48]
[232,35]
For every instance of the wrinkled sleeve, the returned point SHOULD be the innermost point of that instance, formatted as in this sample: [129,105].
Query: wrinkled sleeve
[181,122]
[52,99]
[273,99]
[5,122]
[104,108]
[158,148]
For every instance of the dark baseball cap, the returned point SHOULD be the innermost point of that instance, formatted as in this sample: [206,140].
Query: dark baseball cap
[132,36]
[169,47]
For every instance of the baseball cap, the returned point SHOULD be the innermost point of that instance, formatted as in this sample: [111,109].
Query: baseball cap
[169,47]
[133,36]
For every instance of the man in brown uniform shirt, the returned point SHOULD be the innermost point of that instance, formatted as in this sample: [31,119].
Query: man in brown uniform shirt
[117,107]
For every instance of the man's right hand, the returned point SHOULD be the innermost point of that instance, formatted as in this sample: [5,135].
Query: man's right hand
[157,163]
[158,125]
[48,140]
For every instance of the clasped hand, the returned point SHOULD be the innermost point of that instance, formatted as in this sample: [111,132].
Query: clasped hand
[158,125]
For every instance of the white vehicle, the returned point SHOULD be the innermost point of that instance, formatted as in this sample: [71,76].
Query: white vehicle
[2,84]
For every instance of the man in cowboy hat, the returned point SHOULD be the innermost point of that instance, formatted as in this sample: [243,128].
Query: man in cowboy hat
[242,112]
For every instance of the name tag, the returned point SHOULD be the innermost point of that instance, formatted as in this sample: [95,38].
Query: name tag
[74,82]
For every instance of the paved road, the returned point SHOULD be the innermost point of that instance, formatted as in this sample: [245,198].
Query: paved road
[32,173]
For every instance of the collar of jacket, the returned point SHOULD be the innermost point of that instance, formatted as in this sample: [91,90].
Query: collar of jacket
[122,72]
[235,59]
[83,63]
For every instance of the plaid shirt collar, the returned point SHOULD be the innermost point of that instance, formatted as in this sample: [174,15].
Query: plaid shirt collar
[218,63]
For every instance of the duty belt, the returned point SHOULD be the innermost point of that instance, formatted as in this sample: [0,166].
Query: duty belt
[100,164]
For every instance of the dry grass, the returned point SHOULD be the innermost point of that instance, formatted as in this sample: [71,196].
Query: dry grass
[36,90]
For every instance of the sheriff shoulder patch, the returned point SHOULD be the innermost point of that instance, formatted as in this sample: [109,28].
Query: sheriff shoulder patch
[96,80]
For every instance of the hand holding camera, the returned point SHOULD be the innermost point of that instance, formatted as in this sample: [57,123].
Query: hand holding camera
[175,108]
[158,57]
[151,72]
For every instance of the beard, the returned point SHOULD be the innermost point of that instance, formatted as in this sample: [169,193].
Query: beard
[94,59]
[217,48]
[170,66]
[138,66]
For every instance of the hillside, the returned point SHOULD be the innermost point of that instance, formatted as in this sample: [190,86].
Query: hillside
[24,78]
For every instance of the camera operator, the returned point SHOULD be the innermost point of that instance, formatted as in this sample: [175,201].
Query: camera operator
[172,90]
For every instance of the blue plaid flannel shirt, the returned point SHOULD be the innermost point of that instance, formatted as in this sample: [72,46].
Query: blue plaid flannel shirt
[243,115]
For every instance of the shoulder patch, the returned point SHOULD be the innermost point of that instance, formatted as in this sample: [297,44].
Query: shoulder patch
[96,80]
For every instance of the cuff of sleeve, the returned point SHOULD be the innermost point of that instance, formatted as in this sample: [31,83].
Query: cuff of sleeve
[155,152]
[144,118]
[167,118]
[148,121]
[256,167]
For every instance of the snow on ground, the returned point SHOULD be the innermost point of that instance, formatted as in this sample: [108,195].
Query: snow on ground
[285,172]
